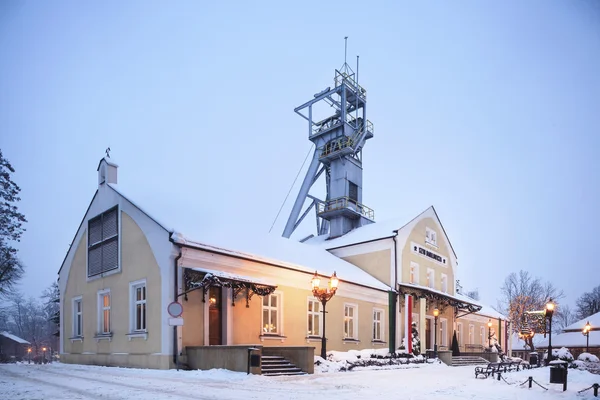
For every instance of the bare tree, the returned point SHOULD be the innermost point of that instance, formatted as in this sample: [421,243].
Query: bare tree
[564,317]
[523,293]
[474,294]
[588,303]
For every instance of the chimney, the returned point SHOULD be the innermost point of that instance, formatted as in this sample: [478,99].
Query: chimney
[107,171]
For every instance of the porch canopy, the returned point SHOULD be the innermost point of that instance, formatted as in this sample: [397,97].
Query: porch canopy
[440,300]
[195,278]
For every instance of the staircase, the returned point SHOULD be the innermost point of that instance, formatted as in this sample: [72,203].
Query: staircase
[278,366]
[458,361]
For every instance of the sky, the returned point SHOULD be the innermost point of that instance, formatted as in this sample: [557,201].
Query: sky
[486,110]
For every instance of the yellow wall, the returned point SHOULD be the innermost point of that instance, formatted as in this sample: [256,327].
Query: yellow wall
[137,262]
[376,263]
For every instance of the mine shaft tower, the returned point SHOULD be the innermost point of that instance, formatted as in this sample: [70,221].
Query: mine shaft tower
[339,140]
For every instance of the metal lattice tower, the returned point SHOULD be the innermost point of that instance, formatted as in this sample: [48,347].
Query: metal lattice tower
[339,140]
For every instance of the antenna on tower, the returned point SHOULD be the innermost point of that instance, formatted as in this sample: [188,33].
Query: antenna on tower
[346,68]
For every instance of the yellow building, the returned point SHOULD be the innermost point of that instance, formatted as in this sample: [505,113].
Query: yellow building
[124,269]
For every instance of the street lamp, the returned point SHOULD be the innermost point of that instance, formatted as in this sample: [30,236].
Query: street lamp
[44,358]
[436,314]
[489,333]
[549,312]
[586,332]
[323,295]
[29,355]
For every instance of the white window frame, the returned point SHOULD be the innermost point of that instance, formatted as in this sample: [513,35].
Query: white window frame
[381,323]
[279,316]
[444,332]
[133,302]
[77,318]
[444,283]
[482,337]
[311,315]
[430,237]
[431,278]
[350,320]
[459,333]
[414,273]
[471,334]
[101,312]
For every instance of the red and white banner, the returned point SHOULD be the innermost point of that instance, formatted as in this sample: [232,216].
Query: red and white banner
[408,306]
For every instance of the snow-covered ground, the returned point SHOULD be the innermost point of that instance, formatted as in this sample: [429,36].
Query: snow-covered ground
[421,381]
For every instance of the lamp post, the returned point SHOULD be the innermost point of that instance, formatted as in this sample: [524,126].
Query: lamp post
[324,295]
[436,314]
[29,355]
[44,358]
[549,312]
[489,333]
[586,332]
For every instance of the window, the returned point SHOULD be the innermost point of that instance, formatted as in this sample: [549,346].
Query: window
[103,243]
[378,324]
[104,312]
[314,318]
[471,334]
[138,306]
[430,236]
[350,317]
[270,314]
[430,278]
[352,192]
[459,333]
[444,283]
[444,331]
[77,317]
[482,339]
[414,273]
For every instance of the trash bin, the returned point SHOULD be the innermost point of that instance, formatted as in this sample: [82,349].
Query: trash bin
[558,372]
[533,359]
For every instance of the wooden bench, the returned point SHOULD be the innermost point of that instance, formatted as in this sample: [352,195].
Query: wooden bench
[490,369]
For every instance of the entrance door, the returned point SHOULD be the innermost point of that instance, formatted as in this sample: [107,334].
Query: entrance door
[215,323]
[428,344]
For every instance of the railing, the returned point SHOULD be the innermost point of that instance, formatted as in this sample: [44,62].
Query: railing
[345,202]
[344,141]
[340,77]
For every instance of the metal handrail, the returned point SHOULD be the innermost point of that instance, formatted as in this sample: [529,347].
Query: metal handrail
[345,202]
[343,76]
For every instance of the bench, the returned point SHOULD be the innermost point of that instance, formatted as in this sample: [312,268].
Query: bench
[490,369]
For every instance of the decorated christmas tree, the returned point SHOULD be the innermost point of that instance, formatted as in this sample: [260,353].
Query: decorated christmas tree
[416,342]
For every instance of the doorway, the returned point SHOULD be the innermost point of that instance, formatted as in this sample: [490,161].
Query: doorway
[215,321]
[428,334]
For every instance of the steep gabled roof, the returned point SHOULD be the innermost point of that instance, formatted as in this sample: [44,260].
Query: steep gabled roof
[371,232]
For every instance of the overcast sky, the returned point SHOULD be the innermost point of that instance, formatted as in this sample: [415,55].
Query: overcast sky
[488,111]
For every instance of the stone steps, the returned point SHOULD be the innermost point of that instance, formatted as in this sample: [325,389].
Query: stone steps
[278,366]
[458,361]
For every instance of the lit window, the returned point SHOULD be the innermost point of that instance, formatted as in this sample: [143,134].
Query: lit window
[444,331]
[378,324]
[430,278]
[459,333]
[138,306]
[430,237]
[314,318]
[482,339]
[350,322]
[414,273]
[444,283]
[104,312]
[270,314]
[77,317]
[471,334]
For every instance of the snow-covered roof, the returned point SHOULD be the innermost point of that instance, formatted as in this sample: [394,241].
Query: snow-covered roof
[14,338]
[109,161]
[284,252]
[593,319]
[377,230]
[572,339]
[267,248]
[486,310]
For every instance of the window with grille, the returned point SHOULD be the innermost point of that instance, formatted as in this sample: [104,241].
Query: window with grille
[314,318]
[139,307]
[350,322]
[353,191]
[103,243]
[104,312]
[270,316]
[471,334]
[378,324]
[482,339]
[414,273]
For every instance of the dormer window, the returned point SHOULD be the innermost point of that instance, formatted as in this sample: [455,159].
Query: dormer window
[430,237]
[103,243]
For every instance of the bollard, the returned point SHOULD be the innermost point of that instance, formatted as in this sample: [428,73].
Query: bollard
[530,381]
[596,389]
[565,382]
[499,373]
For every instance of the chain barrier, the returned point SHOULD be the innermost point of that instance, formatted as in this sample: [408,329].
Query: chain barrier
[595,386]
[530,380]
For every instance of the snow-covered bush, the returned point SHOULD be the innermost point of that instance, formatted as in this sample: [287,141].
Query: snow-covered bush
[588,357]
[562,354]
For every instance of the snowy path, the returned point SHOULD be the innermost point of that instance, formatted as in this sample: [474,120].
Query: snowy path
[70,382]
